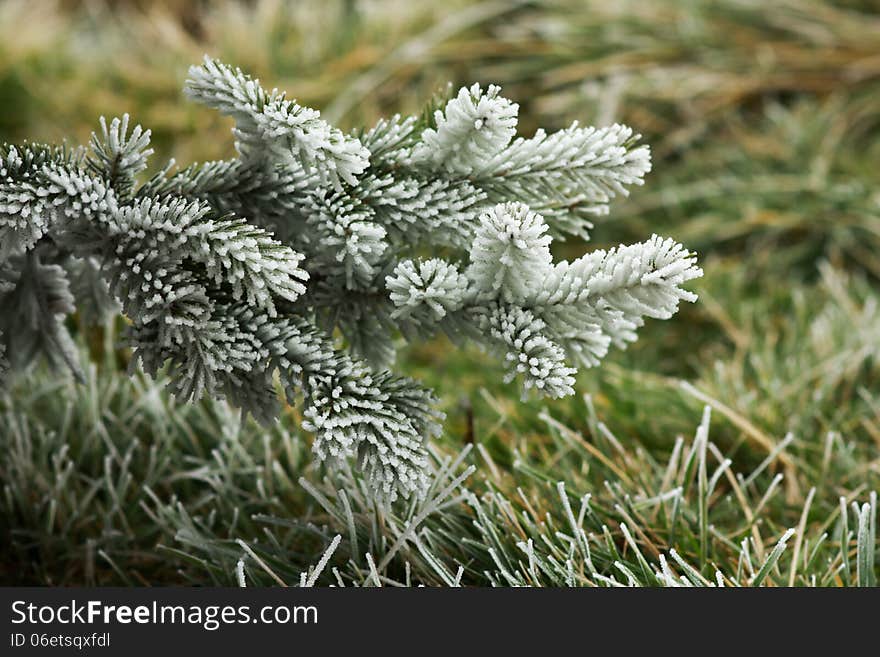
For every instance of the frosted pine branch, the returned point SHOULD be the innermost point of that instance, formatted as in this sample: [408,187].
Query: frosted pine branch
[289,271]
[32,312]
[517,302]
[474,127]
[510,250]
[426,293]
[530,352]
[232,251]
[119,156]
[267,123]
[24,214]
[568,175]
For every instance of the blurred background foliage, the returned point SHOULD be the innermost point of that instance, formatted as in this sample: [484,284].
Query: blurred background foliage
[764,122]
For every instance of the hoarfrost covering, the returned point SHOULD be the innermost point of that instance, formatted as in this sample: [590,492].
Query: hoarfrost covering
[235,272]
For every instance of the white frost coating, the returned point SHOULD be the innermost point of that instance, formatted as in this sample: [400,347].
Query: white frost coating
[295,266]
[268,125]
[511,251]
[474,127]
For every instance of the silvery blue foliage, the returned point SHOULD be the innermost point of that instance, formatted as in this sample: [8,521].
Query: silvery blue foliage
[472,128]
[266,121]
[290,269]
[539,315]
[118,155]
[510,247]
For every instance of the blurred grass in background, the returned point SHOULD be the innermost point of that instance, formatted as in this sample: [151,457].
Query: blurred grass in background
[764,121]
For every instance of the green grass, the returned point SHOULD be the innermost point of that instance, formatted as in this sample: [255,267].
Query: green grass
[110,482]
[765,131]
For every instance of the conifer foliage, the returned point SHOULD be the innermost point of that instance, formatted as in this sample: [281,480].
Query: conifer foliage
[303,258]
